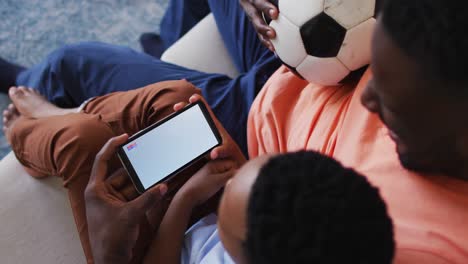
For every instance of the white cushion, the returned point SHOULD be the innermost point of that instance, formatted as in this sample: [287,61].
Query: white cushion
[203,49]
[36,218]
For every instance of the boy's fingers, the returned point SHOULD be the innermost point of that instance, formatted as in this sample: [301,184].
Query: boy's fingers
[220,152]
[179,106]
[195,98]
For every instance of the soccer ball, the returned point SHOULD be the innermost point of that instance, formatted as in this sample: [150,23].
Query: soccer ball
[324,41]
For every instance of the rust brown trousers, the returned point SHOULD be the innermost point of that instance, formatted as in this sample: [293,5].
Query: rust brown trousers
[66,145]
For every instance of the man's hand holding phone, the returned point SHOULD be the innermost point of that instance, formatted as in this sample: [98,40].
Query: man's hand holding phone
[113,223]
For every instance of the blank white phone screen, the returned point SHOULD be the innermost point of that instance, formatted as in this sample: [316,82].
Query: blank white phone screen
[170,146]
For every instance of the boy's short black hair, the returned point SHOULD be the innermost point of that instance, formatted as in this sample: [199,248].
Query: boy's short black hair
[307,208]
[434,33]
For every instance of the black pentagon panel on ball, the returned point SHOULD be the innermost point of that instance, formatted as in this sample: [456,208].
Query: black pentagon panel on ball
[322,36]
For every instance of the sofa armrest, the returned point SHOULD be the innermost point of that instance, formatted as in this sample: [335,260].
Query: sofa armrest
[202,49]
[37,222]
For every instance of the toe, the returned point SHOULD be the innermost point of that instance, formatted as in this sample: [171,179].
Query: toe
[23,89]
[6,114]
[12,109]
[12,91]
[33,90]
[16,93]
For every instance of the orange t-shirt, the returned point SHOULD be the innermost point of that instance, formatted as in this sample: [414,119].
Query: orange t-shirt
[430,213]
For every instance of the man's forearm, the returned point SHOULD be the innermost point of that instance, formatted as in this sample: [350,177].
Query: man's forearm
[167,245]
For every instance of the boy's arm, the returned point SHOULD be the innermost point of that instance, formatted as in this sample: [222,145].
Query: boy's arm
[167,244]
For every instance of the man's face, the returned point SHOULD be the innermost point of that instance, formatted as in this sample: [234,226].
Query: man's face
[425,127]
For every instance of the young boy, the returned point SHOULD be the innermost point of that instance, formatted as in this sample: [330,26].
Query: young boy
[294,208]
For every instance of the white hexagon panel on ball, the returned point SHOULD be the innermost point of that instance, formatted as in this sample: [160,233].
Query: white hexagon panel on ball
[288,42]
[300,11]
[356,49]
[350,13]
[323,71]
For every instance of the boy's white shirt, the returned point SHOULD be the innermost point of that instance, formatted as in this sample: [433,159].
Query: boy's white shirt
[202,244]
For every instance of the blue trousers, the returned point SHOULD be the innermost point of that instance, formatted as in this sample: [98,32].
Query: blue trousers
[180,17]
[74,73]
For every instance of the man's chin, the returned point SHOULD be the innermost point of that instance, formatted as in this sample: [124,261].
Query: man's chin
[442,164]
[407,163]
[418,165]
[412,164]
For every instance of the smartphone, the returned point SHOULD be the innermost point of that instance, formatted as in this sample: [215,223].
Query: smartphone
[167,147]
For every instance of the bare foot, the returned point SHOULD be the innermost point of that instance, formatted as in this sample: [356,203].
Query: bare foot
[10,117]
[30,103]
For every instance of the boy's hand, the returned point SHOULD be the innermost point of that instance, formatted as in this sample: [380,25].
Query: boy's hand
[207,182]
[229,149]
[254,9]
[113,223]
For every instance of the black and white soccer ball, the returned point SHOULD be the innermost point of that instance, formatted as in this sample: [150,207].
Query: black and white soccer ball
[324,41]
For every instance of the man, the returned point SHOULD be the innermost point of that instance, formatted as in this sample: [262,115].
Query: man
[417,95]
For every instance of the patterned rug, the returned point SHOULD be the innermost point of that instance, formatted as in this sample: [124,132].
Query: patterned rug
[30,29]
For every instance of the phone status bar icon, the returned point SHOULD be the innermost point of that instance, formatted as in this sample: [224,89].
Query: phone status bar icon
[132,146]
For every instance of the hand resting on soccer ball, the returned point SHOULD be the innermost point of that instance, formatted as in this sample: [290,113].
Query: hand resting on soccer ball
[254,10]
[113,222]
[327,43]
